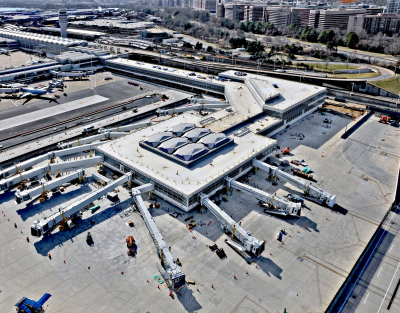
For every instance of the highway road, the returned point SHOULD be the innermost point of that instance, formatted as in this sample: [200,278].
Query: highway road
[373,287]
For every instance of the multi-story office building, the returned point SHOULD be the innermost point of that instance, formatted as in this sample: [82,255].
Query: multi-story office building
[280,17]
[253,13]
[393,6]
[206,5]
[372,24]
[234,11]
[300,16]
[334,18]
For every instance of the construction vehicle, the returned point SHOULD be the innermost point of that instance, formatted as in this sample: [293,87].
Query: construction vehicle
[306,170]
[395,123]
[275,204]
[131,245]
[241,240]
[302,174]
[313,193]
[17,168]
[385,119]
[72,209]
[89,239]
[47,169]
[44,196]
[50,185]
[191,224]
[25,305]
[284,151]
[170,267]
[187,56]
[67,224]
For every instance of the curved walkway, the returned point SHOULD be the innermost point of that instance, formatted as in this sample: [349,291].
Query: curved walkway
[384,72]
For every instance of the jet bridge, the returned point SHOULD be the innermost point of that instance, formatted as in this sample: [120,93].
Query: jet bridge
[86,140]
[171,270]
[315,193]
[283,206]
[126,128]
[47,156]
[248,242]
[73,208]
[31,193]
[211,106]
[48,168]
[208,101]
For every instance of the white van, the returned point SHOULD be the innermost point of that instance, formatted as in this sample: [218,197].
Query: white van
[88,129]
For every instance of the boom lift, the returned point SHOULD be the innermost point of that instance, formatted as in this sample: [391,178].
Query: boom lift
[277,205]
[247,242]
[48,156]
[31,193]
[316,194]
[73,208]
[170,269]
[48,168]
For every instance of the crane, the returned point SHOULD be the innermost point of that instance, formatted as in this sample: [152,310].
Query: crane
[283,207]
[170,270]
[313,192]
[248,243]
[72,209]
[21,196]
[48,168]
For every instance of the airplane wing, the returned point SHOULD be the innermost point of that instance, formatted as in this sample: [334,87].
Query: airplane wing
[25,95]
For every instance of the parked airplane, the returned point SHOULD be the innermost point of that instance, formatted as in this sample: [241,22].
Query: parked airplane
[4,51]
[31,92]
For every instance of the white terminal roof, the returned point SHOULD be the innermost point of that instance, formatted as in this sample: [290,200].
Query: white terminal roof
[190,151]
[167,172]
[171,145]
[76,31]
[45,39]
[123,24]
[291,93]
[182,128]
